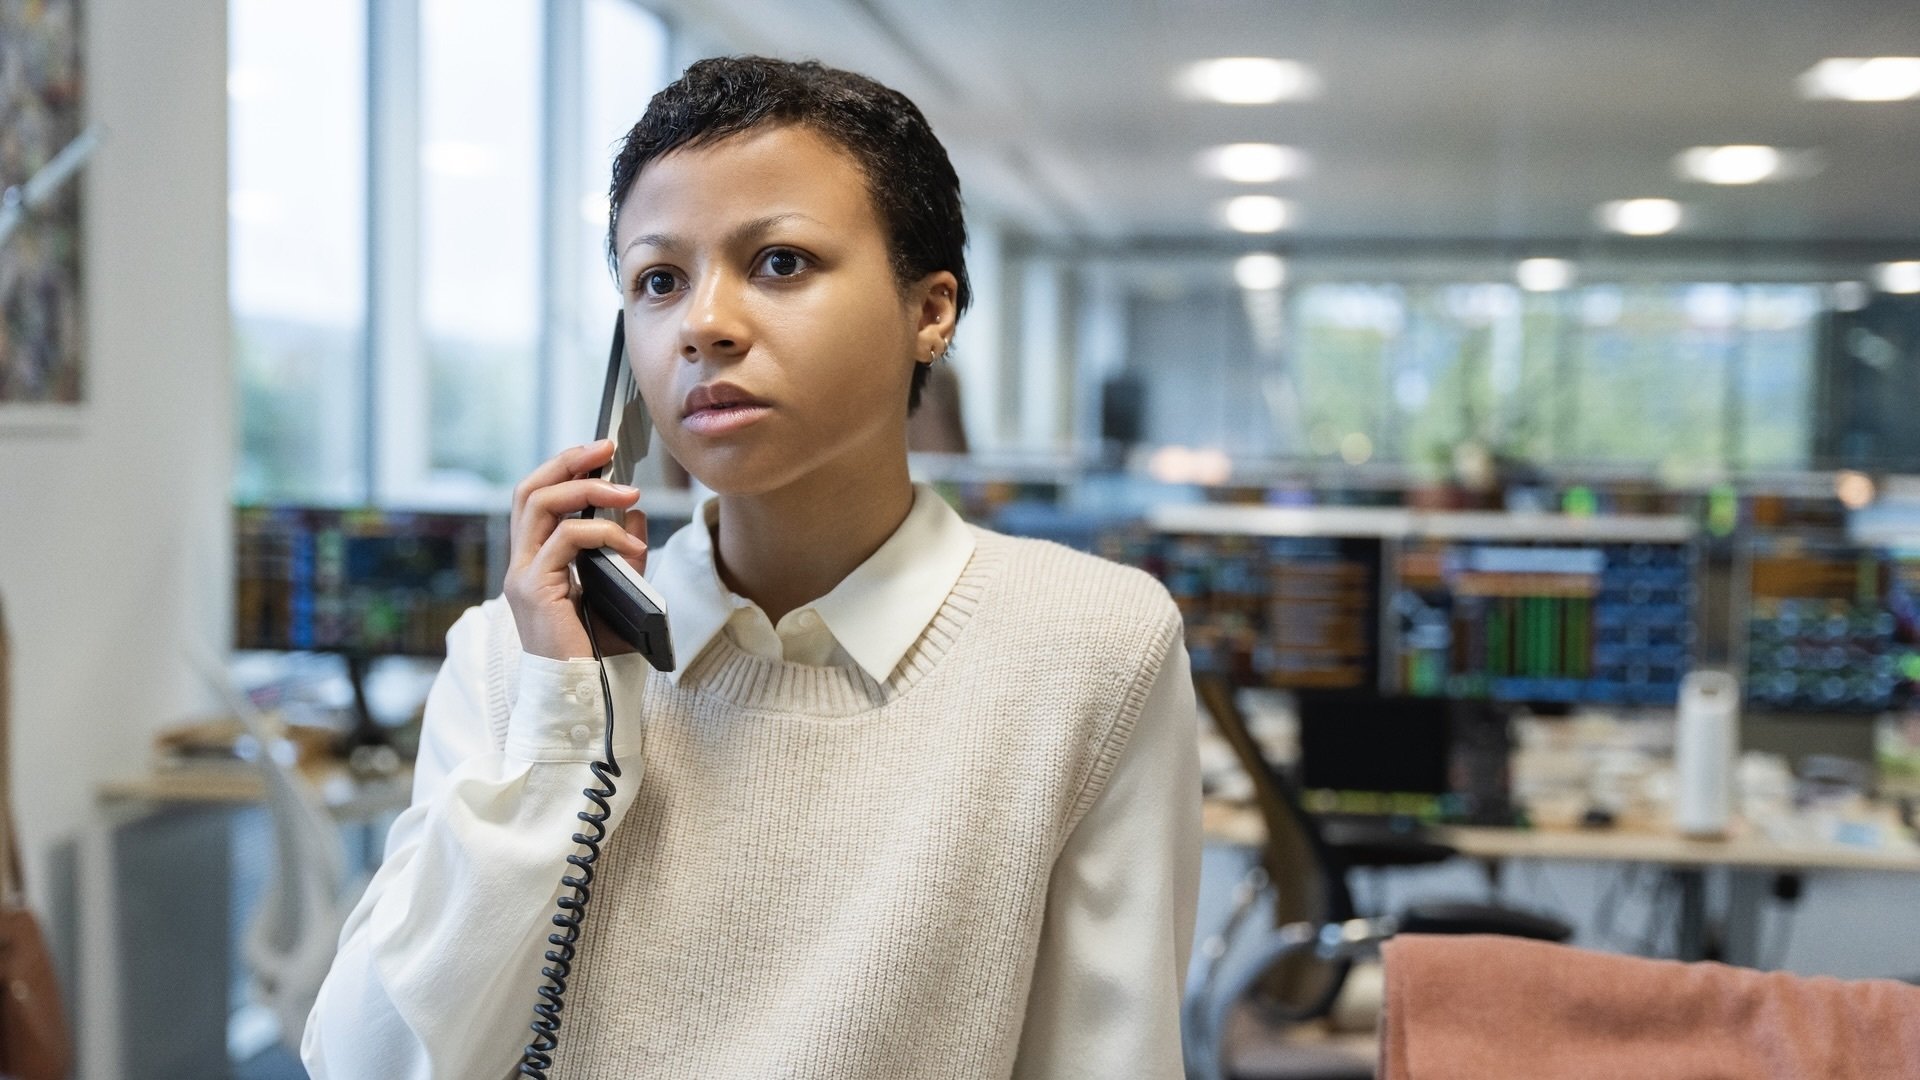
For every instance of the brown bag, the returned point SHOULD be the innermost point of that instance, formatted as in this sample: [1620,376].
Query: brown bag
[34,1042]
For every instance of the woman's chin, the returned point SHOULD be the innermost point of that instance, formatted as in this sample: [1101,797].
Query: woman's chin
[736,478]
[748,470]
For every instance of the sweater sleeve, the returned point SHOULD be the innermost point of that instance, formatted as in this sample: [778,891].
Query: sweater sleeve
[1121,907]
[439,962]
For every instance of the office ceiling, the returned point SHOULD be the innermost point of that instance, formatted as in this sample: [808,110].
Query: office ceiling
[1457,122]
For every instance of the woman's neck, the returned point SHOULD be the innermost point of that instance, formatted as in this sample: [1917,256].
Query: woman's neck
[787,548]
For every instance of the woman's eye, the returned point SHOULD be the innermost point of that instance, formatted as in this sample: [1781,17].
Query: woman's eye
[657,282]
[783,263]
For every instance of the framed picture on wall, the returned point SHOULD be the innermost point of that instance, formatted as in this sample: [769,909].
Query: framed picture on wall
[42,376]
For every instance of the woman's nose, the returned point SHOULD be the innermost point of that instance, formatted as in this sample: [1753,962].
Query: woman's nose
[714,321]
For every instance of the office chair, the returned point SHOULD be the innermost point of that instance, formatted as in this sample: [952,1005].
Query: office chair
[1301,965]
[295,931]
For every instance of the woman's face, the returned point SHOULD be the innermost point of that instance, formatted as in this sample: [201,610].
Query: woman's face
[760,261]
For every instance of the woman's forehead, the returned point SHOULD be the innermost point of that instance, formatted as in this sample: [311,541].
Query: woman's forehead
[709,189]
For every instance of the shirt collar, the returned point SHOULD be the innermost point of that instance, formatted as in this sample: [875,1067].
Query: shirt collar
[875,613]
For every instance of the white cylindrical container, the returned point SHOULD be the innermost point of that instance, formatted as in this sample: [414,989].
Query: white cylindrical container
[1706,740]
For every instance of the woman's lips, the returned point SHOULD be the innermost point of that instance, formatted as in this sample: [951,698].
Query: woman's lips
[723,420]
[717,393]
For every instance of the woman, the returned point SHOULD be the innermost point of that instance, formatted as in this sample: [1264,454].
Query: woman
[920,800]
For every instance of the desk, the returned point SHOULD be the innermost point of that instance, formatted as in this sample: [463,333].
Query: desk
[1747,859]
[1667,849]
[1240,824]
[347,798]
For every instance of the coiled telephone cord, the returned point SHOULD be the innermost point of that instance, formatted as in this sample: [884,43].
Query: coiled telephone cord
[537,1057]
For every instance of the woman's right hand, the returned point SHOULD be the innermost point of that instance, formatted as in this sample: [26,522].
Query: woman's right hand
[545,538]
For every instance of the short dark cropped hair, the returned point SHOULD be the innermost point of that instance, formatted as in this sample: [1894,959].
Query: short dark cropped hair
[909,179]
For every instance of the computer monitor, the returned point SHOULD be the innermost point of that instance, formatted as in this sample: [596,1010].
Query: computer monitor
[1400,755]
[1828,627]
[1373,744]
[361,583]
[1543,622]
[357,582]
[1297,613]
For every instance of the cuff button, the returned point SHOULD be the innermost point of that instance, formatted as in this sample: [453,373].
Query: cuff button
[580,734]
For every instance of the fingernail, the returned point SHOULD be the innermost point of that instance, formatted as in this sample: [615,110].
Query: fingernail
[626,489]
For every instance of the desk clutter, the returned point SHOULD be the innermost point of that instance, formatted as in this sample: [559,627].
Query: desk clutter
[1596,770]
[303,720]
[215,760]
[214,743]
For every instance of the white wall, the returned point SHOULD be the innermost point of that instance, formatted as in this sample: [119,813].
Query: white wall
[114,535]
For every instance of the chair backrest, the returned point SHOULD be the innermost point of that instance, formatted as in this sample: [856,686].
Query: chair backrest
[1309,883]
[291,940]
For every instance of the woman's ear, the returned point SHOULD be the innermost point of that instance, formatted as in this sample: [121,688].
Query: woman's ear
[938,308]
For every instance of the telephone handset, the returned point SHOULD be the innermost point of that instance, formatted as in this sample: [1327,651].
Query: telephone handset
[612,589]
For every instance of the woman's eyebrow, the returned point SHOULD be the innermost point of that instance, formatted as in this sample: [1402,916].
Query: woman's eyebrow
[740,233]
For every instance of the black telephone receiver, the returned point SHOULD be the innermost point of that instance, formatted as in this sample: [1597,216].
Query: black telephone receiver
[612,589]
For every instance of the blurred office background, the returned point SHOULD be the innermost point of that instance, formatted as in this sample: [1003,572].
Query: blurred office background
[1524,355]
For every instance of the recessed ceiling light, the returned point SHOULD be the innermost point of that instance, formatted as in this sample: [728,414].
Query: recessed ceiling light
[1253,163]
[1641,217]
[1249,80]
[1872,78]
[1543,275]
[1256,214]
[1730,164]
[1259,271]
[1897,277]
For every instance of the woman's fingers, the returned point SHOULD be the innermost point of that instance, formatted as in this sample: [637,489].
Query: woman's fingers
[546,537]
[636,522]
[574,535]
[572,462]
[547,507]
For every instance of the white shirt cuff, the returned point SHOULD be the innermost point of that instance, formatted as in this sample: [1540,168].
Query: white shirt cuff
[558,711]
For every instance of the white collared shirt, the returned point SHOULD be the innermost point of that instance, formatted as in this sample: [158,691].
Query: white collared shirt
[870,619]
[431,979]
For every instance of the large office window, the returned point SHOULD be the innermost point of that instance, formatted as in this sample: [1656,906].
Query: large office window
[479,219]
[297,255]
[624,61]
[1340,362]
[1653,365]
[1775,375]
[420,300]
[1685,378]
[1688,379]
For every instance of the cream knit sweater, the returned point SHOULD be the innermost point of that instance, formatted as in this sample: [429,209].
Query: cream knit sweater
[822,877]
